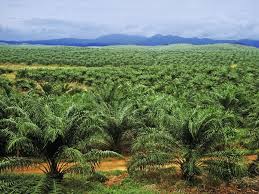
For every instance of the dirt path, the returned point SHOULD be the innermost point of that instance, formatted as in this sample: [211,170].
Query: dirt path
[113,164]
[116,180]
[251,158]
[106,165]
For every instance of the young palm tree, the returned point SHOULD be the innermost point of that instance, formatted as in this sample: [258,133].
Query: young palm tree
[120,124]
[5,86]
[254,136]
[42,133]
[233,98]
[254,145]
[2,137]
[196,141]
[227,96]
[119,116]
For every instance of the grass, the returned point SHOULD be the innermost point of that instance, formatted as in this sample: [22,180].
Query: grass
[76,85]
[128,186]
[113,173]
[72,184]
[14,68]
[10,76]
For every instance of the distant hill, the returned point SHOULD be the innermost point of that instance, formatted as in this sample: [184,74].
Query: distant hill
[121,39]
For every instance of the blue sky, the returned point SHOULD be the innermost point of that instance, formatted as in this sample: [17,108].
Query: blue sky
[46,19]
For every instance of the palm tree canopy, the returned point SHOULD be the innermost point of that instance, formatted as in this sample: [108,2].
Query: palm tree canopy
[42,128]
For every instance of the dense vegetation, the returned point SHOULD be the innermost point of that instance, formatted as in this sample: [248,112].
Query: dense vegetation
[177,111]
[136,56]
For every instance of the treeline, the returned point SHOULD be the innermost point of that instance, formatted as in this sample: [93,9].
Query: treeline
[122,56]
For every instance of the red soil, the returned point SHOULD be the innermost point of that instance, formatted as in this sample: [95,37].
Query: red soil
[106,165]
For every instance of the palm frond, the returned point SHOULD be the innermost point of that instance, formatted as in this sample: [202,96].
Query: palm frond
[45,185]
[56,189]
[95,156]
[15,111]
[79,168]
[9,123]
[20,142]
[150,160]
[7,164]
[52,133]
[71,155]
[5,184]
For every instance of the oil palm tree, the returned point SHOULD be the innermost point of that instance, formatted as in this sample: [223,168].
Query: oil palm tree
[253,135]
[233,98]
[5,86]
[196,141]
[119,115]
[43,134]
[3,115]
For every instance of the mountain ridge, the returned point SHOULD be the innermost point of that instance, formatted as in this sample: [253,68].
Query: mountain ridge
[124,39]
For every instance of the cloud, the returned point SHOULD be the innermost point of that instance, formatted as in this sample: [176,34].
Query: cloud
[29,19]
[38,28]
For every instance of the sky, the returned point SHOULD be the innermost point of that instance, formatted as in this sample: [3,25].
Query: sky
[48,19]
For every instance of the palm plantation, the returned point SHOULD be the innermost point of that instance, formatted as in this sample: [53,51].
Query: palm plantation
[185,118]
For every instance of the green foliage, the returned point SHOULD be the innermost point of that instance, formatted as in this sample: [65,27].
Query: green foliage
[123,56]
[119,114]
[40,129]
[192,109]
[196,140]
[36,184]
[70,185]
[25,85]
[5,86]
[128,186]
[47,185]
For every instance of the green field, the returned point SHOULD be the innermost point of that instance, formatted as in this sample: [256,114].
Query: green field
[187,117]
[130,55]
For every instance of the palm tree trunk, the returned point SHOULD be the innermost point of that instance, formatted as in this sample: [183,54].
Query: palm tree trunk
[253,167]
[188,167]
[17,153]
[116,147]
[54,171]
